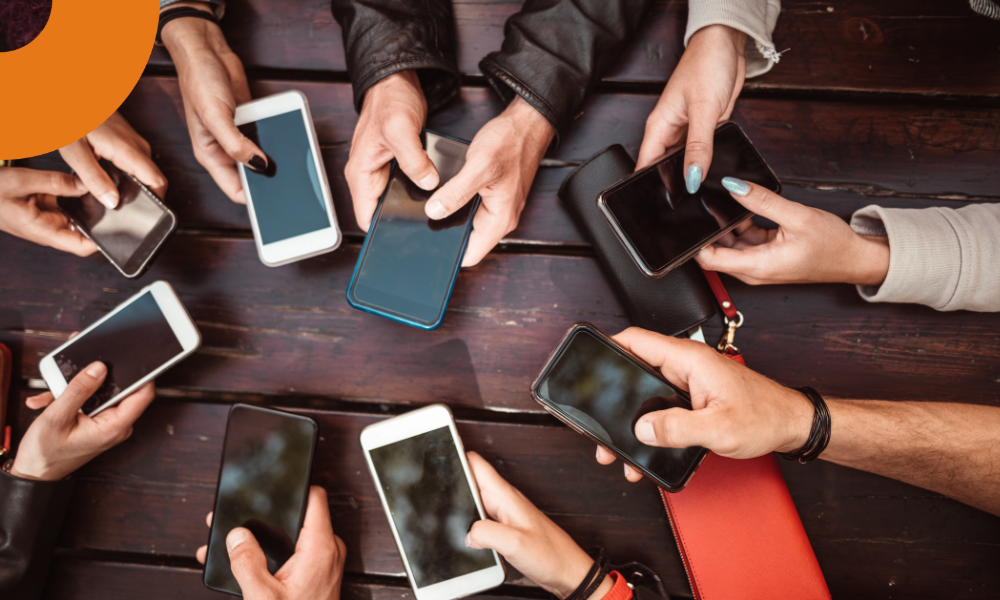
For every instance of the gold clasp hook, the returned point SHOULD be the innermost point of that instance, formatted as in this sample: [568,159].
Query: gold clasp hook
[726,343]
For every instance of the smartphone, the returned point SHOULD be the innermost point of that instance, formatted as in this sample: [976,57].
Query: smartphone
[409,263]
[428,492]
[601,390]
[291,209]
[137,341]
[661,225]
[129,235]
[263,486]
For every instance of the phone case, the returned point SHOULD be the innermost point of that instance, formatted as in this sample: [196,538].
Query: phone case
[364,248]
[582,325]
[673,304]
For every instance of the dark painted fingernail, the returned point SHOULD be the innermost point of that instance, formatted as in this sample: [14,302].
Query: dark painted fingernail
[257,164]
[693,178]
[736,186]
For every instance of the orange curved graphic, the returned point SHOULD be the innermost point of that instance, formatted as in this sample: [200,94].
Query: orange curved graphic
[74,75]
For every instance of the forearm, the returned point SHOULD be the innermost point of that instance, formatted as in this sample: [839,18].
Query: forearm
[944,447]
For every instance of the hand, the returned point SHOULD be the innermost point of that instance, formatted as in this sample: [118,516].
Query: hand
[116,141]
[212,83]
[528,539]
[389,127]
[63,439]
[314,572]
[809,246]
[499,166]
[737,413]
[701,94]
[29,211]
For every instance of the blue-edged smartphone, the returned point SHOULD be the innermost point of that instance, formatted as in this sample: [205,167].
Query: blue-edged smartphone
[409,263]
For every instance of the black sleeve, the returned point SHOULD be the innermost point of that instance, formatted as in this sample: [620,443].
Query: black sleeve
[31,516]
[382,37]
[555,51]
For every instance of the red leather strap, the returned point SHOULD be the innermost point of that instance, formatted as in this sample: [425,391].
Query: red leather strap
[621,589]
[725,302]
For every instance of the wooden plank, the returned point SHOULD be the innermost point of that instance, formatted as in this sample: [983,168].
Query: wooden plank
[873,536]
[876,150]
[895,46]
[290,330]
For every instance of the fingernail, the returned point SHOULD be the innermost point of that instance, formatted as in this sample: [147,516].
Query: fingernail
[257,164]
[644,432]
[235,538]
[628,470]
[468,540]
[435,210]
[80,186]
[736,186]
[693,178]
[97,370]
[110,199]
[598,454]
[429,183]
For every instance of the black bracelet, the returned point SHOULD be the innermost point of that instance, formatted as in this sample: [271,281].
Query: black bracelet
[180,12]
[595,576]
[819,435]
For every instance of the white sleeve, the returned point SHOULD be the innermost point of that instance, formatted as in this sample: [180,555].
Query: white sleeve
[756,18]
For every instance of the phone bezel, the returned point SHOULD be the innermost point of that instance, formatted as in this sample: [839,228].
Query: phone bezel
[164,228]
[579,428]
[177,317]
[637,258]
[305,496]
[314,243]
[399,317]
[404,427]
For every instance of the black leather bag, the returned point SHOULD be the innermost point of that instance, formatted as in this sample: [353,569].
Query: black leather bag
[672,304]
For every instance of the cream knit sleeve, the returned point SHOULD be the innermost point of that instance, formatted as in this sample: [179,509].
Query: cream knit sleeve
[948,259]
[756,18]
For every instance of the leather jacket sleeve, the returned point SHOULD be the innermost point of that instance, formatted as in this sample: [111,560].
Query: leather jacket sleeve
[31,516]
[382,37]
[555,51]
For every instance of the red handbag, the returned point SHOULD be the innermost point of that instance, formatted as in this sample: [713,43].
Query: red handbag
[737,529]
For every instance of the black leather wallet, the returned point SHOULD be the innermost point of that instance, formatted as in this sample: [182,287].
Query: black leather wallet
[673,304]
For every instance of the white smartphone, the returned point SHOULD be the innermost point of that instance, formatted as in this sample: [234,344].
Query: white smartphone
[428,492]
[141,338]
[291,209]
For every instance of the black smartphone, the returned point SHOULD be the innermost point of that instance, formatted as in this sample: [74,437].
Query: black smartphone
[661,224]
[129,235]
[601,390]
[263,486]
[409,263]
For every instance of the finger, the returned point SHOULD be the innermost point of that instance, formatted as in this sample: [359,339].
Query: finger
[698,148]
[80,157]
[366,186]
[412,158]
[496,536]
[201,553]
[26,182]
[738,262]
[316,537]
[121,416]
[249,565]
[67,406]
[496,492]
[40,401]
[679,428]
[73,242]
[632,474]
[605,457]
[675,358]
[208,519]
[764,202]
[135,162]
[463,187]
[218,118]
[487,231]
[660,135]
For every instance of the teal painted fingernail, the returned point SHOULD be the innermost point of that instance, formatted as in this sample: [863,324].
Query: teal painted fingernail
[736,186]
[693,179]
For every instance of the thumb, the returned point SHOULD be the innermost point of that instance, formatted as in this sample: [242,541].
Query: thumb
[413,159]
[495,536]
[764,202]
[30,181]
[67,406]
[454,194]
[249,564]
[678,428]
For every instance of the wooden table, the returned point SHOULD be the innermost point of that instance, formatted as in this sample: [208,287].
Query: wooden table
[893,104]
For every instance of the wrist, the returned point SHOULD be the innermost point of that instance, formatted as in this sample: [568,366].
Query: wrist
[22,470]
[714,35]
[187,34]
[535,128]
[799,411]
[871,261]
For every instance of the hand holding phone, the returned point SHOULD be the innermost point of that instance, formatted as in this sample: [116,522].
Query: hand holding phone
[529,540]
[809,246]
[63,439]
[314,572]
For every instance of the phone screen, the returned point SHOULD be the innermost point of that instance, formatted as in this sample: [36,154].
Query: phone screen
[663,222]
[431,505]
[410,262]
[287,198]
[129,233]
[605,393]
[133,343]
[263,486]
